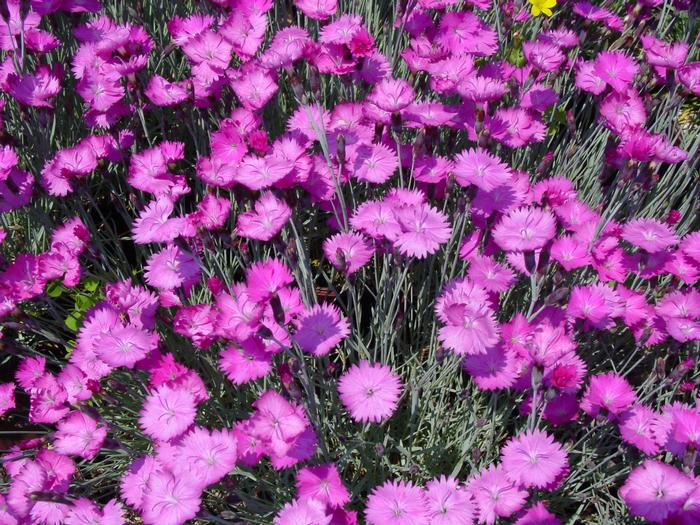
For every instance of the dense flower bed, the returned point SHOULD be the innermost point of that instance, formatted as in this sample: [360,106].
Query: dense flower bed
[311,262]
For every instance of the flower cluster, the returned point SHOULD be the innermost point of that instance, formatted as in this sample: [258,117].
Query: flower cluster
[318,263]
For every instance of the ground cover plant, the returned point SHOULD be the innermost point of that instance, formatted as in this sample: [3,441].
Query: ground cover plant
[314,262]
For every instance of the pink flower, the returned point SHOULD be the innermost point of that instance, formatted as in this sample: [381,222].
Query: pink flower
[245,30]
[266,278]
[525,229]
[375,163]
[617,69]
[397,503]
[171,268]
[85,511]
[7,397]
[257,173]
[392,95]
[35,89]
[664,54]
[654,490]
[317,9]
[621,111]
[648,234]
[423,230]
[480,168]
[266,220]
[80,435]
[544,56]
[534,459]
[135,480]
[303,512]
[448,502]
[588,79]
[644,429]
[246,363]
[168,412]
[164,93]
[125,346]
[320,329]
[376,219]
[494,370]
[348,252]
[689,75]
[538,515]
[170,499]
[277,422]
[205,456]
[322,483]
[489,274]
[609,392]
[495,495]
[464,32]
[254,87]
[370,392]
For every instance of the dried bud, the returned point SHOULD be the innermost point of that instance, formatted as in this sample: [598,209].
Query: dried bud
[277,310]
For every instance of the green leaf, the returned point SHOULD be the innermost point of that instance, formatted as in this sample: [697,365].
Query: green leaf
[83,303]
[55,289]
[91,284]
[73,322]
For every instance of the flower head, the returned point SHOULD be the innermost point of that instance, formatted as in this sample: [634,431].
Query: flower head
[370,392]
[654,490]
[320,329]
[525,229]
[534,459]
[323,484]
[168,412]
[397,503]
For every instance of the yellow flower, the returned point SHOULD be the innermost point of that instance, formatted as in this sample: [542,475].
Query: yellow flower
[542,6]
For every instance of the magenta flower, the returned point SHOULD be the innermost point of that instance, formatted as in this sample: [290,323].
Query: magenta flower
[317,9]
[609,392]
[125,346]
[170,499]
[525,229]
[78,434]
[664,54]
[320,329]
[534,459]
[538,515]
[85,511]
[205,456]
[648,234]
[616,69]
[544,56]
[7,397]
[448,502]
[464,32]
[171,268]
[246,363]
[654,490]
[35,89]
[303,512]
[392,95]
[375,164]
[644,429]
[397,503]
[322,483]
[348,252]
[266,278]
[277,422]
[423,230]
[266,220]
[370,392]
[168,412]
[480,168]
[495,495]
